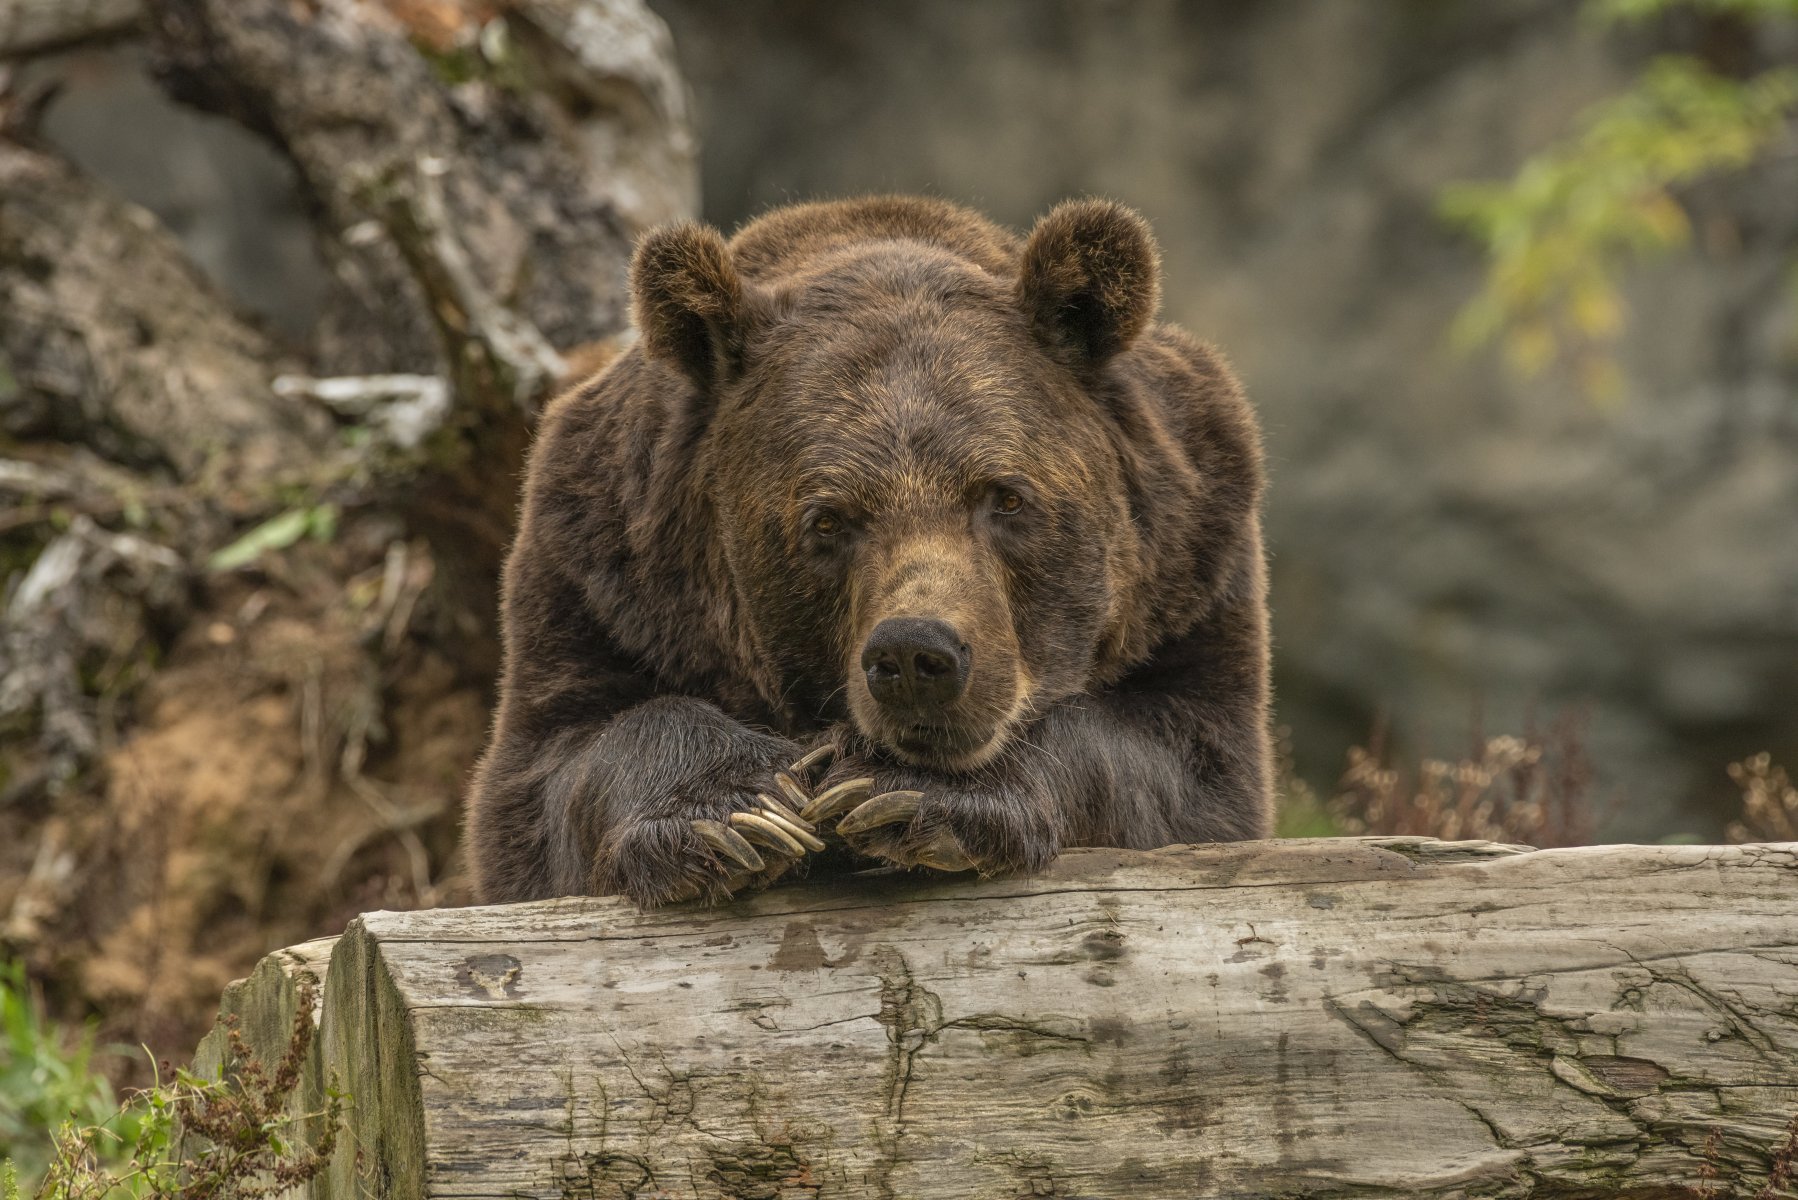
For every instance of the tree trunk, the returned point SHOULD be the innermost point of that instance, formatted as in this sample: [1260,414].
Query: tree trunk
[1370,1017]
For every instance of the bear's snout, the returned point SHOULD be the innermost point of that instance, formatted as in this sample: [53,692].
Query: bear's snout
[936,678]
[916,666]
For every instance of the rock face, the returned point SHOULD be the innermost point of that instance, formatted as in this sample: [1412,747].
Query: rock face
[1445,537]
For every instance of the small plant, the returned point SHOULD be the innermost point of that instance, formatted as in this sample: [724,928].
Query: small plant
[233,1138]
[1782,1172]
[1300,811]
[1785,1165]
[47,1077]
[1535,789]
[1769,802]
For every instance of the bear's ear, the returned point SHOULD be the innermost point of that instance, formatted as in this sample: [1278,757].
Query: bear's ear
[1090,279]
[688,301]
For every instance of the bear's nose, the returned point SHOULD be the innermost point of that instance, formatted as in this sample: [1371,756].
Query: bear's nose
[915,663]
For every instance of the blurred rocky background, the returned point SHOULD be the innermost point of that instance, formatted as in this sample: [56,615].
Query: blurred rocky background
[1453,544]
[282,284]
[283,287]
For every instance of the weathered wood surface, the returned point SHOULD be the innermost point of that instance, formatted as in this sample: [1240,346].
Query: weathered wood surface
[1355,1016]
[264,1004]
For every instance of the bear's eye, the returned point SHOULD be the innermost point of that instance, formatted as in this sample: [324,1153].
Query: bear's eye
[827,524]
[1007,503]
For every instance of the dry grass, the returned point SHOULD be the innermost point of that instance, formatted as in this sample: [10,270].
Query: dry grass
[1782,1171]
[1769,802]
[232,1138]
[1535,789]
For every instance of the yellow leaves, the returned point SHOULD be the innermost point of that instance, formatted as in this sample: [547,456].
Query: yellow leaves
[1559,234]
[1600,378]
[1530,348]
[1594,309]
[1662,219]
[1769,802]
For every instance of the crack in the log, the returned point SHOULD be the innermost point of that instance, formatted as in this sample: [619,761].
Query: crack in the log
[996,1022]
[662,1109]
[1630,959]
[1389,1035]
[1758,1040]
[577,1173]
[1518,1023]
[874,1016]
[1341,1012]
[425,1072]
[903,1010]
[1498,1136]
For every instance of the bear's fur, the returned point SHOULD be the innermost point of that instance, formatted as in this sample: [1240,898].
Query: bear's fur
[859,410]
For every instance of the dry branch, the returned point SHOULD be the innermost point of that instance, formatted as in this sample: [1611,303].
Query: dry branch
[1369,1017]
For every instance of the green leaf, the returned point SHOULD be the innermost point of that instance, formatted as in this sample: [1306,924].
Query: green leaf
[1606,11]
[322,524]
[276,533]
[1558,235]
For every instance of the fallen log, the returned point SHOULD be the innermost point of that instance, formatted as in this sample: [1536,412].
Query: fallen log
[1369,1017]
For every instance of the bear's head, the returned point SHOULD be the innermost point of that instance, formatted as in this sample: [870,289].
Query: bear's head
[915,466]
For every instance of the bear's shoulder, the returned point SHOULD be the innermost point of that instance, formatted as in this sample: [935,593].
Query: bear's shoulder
[1196,396]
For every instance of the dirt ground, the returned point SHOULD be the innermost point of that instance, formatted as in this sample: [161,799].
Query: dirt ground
[298,757]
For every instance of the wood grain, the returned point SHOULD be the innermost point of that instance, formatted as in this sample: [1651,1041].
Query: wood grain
[1336,1017]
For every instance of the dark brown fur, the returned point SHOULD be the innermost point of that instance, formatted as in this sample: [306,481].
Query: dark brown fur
[678,623]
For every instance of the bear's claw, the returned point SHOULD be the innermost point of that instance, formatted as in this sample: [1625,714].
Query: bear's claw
[800,831]
[789,787]
[729,843]
[787,824]
[838,800]
[769,833]
[889,808]
[783,812]
[820,757]
[773,825]
[944,853]
[941,851]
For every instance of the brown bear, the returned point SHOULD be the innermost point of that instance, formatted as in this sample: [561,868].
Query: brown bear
[885,495]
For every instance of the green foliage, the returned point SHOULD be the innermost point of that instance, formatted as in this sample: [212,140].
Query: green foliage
[1299,815]
[1638,10]
[1298,811]
[47,1077]
[277,533]
[232,1138]
[1559,234]
[110,1156]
